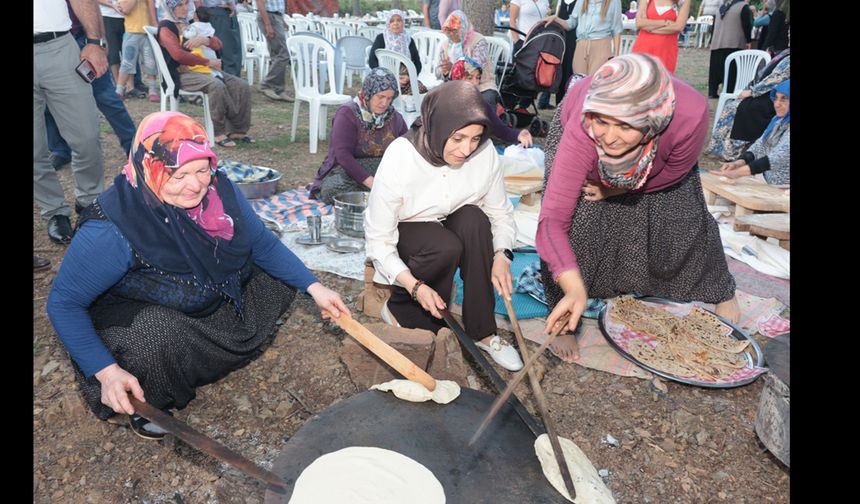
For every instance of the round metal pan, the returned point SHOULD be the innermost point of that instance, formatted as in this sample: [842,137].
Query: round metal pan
[737,333]
[500,468]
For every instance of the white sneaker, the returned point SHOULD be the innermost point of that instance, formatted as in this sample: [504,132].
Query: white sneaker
[386,315]
[503,353]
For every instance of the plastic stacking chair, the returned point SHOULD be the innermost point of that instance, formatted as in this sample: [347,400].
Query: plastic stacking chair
[748,62]
[305,62]
[408,106]
[169,85]
[254,46]
[353,51]
[500,52]
[428,42]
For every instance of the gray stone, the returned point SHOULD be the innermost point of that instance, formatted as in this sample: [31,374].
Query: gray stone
[49,368]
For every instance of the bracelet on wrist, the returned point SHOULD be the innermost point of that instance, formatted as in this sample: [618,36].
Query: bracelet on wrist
[419,283]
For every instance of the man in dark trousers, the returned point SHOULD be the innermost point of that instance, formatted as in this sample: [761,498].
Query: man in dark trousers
[222,16]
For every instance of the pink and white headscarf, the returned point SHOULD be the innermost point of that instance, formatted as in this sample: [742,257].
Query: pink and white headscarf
[635,89]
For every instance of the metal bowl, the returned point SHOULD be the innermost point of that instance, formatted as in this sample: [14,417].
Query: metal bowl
[262,189]
[349,213]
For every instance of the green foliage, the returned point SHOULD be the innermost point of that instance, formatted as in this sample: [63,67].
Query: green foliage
[371,6]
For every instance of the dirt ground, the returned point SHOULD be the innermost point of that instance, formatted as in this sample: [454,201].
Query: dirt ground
[687,444]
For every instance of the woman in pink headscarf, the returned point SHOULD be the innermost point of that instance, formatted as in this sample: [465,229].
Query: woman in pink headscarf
[623,209]
[171,281]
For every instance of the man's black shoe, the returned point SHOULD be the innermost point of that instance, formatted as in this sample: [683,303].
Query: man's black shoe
[40,263]
[59,161]
[60,229]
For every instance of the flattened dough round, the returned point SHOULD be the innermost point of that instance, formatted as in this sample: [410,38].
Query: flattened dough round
[445,391]
[366,475]
[588,485]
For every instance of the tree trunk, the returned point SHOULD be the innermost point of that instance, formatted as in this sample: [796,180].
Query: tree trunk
[356,8]
[395,4]
[480,14]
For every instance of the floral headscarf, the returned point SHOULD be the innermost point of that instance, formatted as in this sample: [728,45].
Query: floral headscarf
[378,80]
[398,42]
[636,89]
[202,240]
[458,22]
[463,67]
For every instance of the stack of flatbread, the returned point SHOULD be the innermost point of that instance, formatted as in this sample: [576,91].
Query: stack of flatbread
[692,346]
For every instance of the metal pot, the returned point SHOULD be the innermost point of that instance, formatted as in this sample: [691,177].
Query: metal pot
[262,189]
[349,213]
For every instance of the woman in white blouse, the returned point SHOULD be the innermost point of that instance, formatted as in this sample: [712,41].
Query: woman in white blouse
[438,202]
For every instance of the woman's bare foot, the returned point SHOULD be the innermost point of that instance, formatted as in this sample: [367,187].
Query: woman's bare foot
[564,346]
[729,310]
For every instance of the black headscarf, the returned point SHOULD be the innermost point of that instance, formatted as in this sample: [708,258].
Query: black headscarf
[444,110]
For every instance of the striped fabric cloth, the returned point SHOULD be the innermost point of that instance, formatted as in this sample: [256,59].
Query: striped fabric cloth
[290,207]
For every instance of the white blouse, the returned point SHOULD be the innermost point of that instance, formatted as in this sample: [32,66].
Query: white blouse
[406,188]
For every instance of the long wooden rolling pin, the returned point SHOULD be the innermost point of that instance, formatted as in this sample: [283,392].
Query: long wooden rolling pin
[384,351]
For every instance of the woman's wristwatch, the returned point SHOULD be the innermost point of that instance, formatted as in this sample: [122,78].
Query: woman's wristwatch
[508,253]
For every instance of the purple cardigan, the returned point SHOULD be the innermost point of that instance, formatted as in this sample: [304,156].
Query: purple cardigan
[678,152]
[344,147]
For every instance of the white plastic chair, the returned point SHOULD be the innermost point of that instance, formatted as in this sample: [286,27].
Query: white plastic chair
[300,24]
[334,31]
[369,32]
[703,36]
[626,43]
[500,51]
[254,46]
[167,94]
[428,42]
[353,51]
[748,62]
[409,107]
[305,52]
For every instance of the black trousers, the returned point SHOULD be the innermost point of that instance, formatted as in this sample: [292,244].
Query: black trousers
[716,72]
[433,251]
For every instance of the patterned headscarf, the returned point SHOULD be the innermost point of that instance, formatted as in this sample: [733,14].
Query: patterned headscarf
[378,80]
[635,89]
[398,42]
[778,125]
[458,22]
[167,11]
[202,240]
[445,109]
[463,67]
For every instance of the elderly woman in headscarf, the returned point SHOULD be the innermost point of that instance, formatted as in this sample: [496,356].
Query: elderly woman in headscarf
[439,203]
[361,131]
[394,38]
[623,209]
[171,281]
[743,119]
[464,41]
[769,155]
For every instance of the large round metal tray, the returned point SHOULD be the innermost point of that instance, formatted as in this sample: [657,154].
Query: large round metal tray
[737,333]
[254,182]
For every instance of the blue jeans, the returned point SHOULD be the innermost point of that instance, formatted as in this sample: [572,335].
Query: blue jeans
[108,103]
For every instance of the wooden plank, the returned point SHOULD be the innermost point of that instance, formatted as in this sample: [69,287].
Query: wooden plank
[748,193]
[776,225]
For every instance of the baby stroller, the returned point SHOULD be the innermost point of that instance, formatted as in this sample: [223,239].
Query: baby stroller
[536,68]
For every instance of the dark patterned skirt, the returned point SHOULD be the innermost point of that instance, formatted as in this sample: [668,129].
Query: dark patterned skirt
[338,181]
[171,353]
[662,243]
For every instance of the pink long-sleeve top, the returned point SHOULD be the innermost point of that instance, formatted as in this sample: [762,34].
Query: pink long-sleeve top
[678,151]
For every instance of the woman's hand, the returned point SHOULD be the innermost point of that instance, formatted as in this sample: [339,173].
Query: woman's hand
[524,138]
[735,169]
[746,93]
[595,191]
[195,42]
[445,65]
[215,64]
[430,300]
[328,301]
[549,20]
[368,182]
[573,302]
[116,384]
[501,276]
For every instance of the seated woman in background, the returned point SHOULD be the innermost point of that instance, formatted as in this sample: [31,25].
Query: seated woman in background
[172,281]
[469,70]
[439,203]
[462,41]
[769,155]
[624,209]
[361,131]
[394,38]
[744,119]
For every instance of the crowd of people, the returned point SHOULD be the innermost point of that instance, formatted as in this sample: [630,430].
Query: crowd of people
[171,281]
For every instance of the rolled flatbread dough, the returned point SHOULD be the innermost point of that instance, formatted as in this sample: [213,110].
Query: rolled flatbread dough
[366,475]
[589,486]
[445,392]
